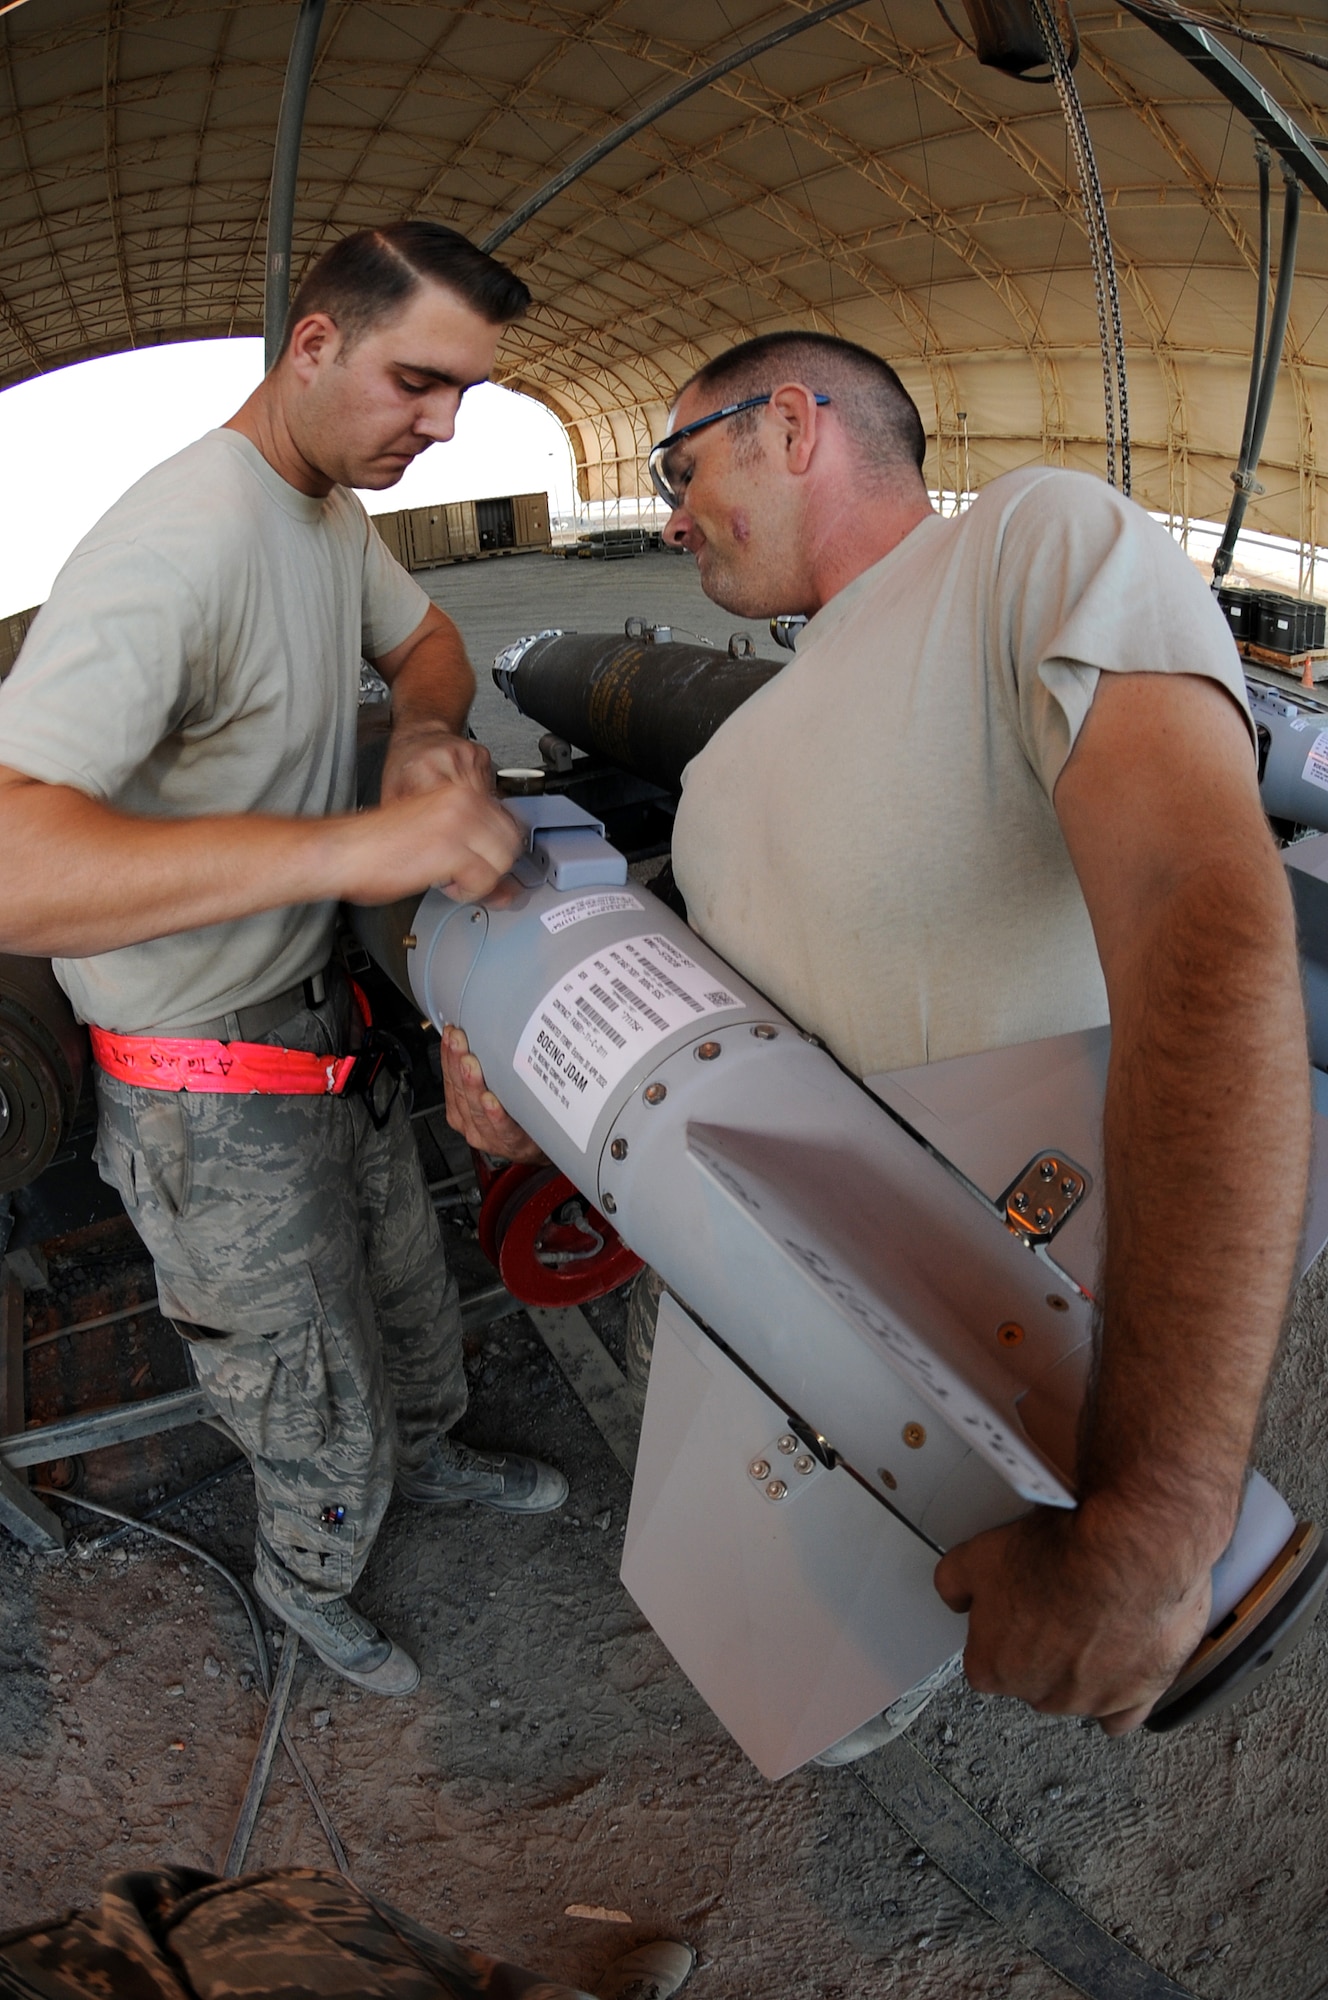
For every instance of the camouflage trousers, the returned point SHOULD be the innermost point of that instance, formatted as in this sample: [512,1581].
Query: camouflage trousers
[177,1934]
[297,1251]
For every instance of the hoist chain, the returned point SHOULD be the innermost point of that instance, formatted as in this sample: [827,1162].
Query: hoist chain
[1111,330]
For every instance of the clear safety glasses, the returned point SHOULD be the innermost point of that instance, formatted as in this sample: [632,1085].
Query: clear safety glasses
[660,476]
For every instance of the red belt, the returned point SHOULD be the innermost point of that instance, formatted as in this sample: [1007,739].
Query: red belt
[161,1062]
[156,1062]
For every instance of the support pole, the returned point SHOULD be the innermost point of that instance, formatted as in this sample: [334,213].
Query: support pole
[1234,82]
[1244,478]
[285,171]
[641,119]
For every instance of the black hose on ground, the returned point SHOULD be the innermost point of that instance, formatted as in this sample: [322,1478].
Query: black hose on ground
[260,1651]
[260,1770]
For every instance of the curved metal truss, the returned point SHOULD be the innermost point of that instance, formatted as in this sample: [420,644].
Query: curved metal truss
[868,178]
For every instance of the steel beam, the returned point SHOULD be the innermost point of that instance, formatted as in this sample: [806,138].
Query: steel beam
[1234,82]
[285,172]
[640,119]
[596,1379]
[25,1516]
[96,1429]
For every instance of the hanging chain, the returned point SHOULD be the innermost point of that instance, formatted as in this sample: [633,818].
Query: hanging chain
[1111,331]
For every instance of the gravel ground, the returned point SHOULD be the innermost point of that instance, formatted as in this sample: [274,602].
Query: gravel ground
[554,1757]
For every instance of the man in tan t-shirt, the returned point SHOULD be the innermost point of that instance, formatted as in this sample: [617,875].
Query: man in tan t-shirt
[177,815]
[1009,780]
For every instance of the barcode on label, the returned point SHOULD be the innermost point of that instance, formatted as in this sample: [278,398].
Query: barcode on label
[625,993]
[604,1014]
[593,1014]
[655,971]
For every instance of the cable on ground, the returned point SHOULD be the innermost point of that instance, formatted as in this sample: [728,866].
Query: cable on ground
[260,1650]
[979,1861]
[101,1543]
[273,1724]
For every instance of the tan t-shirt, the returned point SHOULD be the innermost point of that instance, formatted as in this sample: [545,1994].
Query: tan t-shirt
[871,838]
[199,653]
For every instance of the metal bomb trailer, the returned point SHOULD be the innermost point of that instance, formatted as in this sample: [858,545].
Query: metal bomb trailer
[888,1284]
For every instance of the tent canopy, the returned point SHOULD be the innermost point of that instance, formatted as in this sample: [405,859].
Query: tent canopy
[869,178]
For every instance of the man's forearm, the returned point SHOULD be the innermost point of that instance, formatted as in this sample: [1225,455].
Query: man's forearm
[1206,1150]
[1206,1147]
[82,878]
[432,689]
[434,685]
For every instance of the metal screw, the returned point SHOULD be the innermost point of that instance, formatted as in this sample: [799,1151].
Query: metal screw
[619,1149]
[1043,1218]
[1069,1186]
[1020,1202]
[914,1436]
[759,1468]
[776,1490]
[804,1462]
[764,1032]
[788,1444]
[707,1051]
[655,1093]
[409,940]
[1010,1334]
[887,1479]
[1057,1303]
[609,1205]
[1048,1170]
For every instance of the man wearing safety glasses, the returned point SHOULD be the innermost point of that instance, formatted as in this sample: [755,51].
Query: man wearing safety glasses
[1006,790]
[1006,787]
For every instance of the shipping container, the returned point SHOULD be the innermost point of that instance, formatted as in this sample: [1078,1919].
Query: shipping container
[495,523]
[463,535]
[13,631]
[532,520]
[429,540]
[458,530]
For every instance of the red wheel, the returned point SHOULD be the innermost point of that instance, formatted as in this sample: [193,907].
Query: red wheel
[497,1190]
[554,1249]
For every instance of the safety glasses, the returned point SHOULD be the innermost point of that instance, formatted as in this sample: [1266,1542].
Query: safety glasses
[660,478]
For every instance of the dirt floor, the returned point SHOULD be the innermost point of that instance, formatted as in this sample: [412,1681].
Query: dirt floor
[554,1761]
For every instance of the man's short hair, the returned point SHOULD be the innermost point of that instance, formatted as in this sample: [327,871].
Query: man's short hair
[872,403]
[371,276]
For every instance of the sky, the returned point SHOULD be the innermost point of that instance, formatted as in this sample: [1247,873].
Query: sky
[72,441]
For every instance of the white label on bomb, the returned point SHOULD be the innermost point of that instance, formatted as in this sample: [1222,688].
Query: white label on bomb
[1316,764]
[610,904]
[595,1025]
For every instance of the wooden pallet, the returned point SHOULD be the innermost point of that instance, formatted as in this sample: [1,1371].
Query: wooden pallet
[481,555]
[1307,668]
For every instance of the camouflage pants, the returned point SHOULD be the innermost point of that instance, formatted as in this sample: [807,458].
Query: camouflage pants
[297,1251]
[177,1934]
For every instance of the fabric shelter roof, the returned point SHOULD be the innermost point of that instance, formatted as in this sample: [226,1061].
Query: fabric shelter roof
[869,178]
